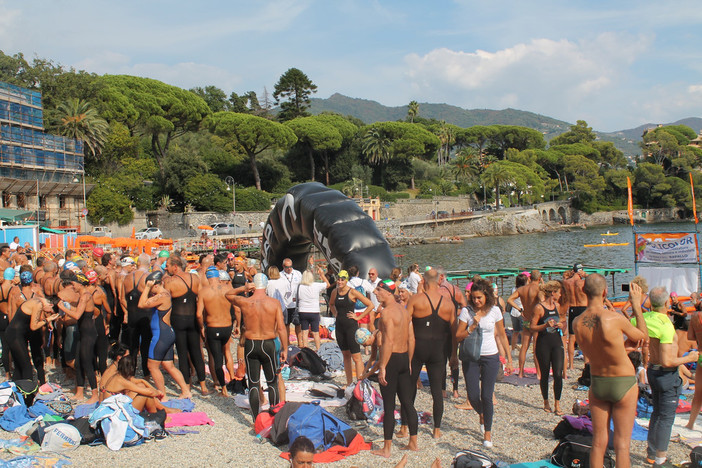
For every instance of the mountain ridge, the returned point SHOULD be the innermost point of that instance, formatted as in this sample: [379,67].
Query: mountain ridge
[370,111]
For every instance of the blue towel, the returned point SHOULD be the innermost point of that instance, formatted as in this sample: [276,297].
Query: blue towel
[39,408]
[15,417]
[637,433]
[28,462]
[84,410]
[186,405]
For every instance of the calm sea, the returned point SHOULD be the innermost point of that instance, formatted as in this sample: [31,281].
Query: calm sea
[538,250]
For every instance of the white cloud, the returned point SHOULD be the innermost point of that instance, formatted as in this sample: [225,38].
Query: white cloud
[695,89]
[556,78]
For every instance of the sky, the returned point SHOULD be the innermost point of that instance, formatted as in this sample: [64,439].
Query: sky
[614,64]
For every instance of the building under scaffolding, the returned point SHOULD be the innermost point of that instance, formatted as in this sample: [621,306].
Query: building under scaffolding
[39,172]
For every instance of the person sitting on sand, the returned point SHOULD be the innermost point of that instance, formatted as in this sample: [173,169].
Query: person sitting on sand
[143,395]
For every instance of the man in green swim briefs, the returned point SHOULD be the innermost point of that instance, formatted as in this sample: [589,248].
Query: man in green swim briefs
[613,392]
[663,376]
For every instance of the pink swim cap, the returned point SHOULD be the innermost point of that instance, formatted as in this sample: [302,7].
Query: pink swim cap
[469,285]
[527,274]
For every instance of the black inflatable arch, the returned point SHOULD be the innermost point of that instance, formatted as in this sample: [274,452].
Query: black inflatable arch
[311,213]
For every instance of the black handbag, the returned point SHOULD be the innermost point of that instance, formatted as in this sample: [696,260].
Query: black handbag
[471,344]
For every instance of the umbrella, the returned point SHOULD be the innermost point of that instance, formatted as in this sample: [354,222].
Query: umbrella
[206,227]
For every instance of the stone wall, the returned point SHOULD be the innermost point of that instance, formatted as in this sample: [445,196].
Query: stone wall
[417,209]
[180,224]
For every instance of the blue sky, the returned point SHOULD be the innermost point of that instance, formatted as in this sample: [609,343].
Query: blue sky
[616,64]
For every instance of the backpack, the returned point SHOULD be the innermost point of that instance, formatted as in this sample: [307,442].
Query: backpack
[471,459]
[320,426]
[574,452]
[309,360]
[264,420]
[28,389]
[696,456]
[359,304]
[60,437]
[279,430]
[9,396]
[354,410]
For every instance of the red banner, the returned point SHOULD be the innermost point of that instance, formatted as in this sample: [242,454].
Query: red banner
[630,203]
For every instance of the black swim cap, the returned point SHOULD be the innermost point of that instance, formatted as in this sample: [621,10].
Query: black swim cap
[156,276]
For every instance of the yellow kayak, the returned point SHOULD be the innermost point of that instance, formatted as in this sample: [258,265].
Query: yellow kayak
[610,234]
[609,244]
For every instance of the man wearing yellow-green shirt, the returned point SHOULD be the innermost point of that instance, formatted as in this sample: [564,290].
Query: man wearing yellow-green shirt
[662,375]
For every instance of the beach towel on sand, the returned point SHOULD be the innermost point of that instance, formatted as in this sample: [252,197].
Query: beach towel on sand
[337,452]
[188,419]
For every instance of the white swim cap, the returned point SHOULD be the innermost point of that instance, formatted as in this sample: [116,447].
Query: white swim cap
[260,281]
[362,334]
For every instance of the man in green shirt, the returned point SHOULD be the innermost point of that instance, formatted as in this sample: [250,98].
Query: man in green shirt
[662,375]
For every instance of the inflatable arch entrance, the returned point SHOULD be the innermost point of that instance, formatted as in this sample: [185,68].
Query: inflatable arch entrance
[312,213]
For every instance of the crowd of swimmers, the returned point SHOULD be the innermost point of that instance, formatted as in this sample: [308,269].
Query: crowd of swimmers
[98,316]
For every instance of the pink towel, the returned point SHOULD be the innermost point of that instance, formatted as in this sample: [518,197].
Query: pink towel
[188,419]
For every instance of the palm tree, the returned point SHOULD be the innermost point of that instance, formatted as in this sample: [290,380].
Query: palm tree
[376,146]
[80,121]
[464,165]
[447,137]
[412,110]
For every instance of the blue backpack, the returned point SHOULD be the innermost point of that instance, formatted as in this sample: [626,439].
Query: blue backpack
[359,304]
[320,426]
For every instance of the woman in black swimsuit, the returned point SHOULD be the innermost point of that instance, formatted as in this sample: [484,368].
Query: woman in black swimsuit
[549,324]
[26,319]
[343,302]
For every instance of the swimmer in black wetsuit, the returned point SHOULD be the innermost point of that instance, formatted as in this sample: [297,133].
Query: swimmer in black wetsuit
[394,372]
[264,320]
[138,318]
[163,337]
[184,289]
[548,324]
[433,320]
[27,318]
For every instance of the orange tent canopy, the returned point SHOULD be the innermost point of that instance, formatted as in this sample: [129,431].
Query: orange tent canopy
[206,227]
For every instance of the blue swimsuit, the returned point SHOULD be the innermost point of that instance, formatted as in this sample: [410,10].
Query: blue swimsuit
[163,337]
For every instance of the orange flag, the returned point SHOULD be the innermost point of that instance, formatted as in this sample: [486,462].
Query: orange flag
[133,232]
[694,204]
[630,203]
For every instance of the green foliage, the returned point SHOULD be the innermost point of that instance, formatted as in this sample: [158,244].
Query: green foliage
[134,179]
[250,199]
[80,121]
[207,192]
[215,98]
[294,87]
[158,110]
[251,135]
[108,206]
[412,111]
[181,165]
[578,133]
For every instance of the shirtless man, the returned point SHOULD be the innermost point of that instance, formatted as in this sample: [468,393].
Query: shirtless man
[613,392]
[529,296]
[394,374]
[214,310]
[263,317]
[433,320]
[694,334]
[5,253]
[577,301]
[662,373]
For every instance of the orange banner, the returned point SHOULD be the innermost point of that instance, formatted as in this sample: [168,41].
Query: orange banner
[694,204]
[630,203]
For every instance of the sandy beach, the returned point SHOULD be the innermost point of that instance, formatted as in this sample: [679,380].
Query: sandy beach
[522,431]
